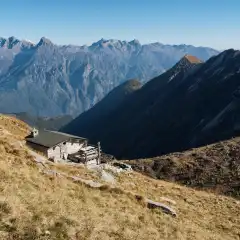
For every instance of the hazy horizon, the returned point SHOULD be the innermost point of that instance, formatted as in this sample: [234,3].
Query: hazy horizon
[206,23]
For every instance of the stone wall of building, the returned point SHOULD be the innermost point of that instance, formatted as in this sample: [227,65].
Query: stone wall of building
[62,150]
[54,153]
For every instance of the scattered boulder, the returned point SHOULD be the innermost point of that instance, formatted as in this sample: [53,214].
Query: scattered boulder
[151,204]
[123,166]
[107,177]
[163,207]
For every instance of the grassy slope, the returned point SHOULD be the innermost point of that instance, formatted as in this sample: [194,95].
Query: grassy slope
[214,167]
[33,205]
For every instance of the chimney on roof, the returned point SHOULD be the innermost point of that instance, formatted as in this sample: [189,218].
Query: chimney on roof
[34,132]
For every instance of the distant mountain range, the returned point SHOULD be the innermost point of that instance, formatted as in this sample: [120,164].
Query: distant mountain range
[50,123]
[192,104]
[45,79]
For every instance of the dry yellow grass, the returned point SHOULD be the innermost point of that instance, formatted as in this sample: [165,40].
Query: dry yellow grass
[13,126]
[37,206]
[215,167]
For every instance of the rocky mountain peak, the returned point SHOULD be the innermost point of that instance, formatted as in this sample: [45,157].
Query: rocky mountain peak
[13,39]
[44,41]
[9,42]
[192,59]
[105,43]
[99,42]
[27,44]
[2,41]
[186,63]
[135,42]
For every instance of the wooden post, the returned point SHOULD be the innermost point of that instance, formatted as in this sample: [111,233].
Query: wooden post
[85,157]
[99,153]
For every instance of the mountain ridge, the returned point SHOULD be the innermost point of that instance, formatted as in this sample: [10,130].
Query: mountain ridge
[51,80]
[173,112]
[100,41]
[205,168]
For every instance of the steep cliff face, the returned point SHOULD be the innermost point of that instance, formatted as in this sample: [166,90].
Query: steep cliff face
[49,80]
[192,104]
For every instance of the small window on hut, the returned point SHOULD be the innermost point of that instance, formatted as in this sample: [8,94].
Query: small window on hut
[54,148]
[64,143]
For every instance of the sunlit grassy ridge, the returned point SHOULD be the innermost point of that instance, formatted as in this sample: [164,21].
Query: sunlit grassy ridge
[215,167]
[37,206]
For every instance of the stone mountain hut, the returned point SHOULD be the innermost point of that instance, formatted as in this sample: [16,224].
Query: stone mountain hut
[62,146]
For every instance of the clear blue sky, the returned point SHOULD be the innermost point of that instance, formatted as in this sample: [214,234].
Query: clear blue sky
[214,23]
